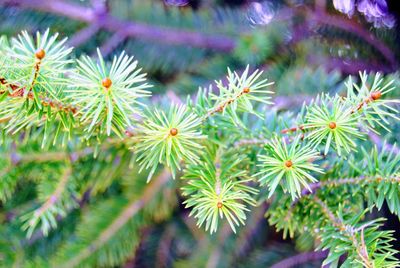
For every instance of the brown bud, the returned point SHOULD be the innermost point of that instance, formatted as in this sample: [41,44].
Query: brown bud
[40,54]
[289,163]
[376,95]
[128,133]
[219,205]
[332,125]
[246,90]
[173,131]
[106,82]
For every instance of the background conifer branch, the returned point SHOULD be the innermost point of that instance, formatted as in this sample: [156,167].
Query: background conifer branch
[84,14]
[175,36]
[301,258]
[128,212]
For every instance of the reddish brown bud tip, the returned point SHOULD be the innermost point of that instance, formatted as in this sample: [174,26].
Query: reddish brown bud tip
[106,82]
[332,125]
[128,133]
[376,95]
[289,163]
[219,204]
[246,90]
[173,132]
[40,54]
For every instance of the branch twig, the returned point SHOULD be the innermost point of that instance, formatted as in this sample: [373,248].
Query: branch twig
[302,258]
[349,231]
[357,180]
[56,194]
[131,210]
[83,35]
[20,92]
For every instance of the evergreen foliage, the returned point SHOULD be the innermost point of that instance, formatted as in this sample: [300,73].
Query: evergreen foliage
[102,100]
[78,127]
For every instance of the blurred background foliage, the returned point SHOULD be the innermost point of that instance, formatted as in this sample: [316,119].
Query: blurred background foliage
[304,46]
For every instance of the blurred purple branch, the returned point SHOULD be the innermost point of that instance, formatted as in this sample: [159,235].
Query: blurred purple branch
[350,66]
[108,47]
[251,231]
[98,16]
[357,29]
[128,28]
[302,258]
[216,252]
[285,102]
[83,35]
[375,138]
[163,253]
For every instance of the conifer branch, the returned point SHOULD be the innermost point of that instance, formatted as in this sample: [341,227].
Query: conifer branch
[20,92]
[362,180]
[39,55]
[221,106]
[350,232]
[132,209]
[374,96]
[221,181]
[56,195]
[55,205]
[330,215]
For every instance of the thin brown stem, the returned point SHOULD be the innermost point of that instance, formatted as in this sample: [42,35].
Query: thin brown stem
[352,111]
[221,106]
[20,92]
[35,74]
[292,129]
